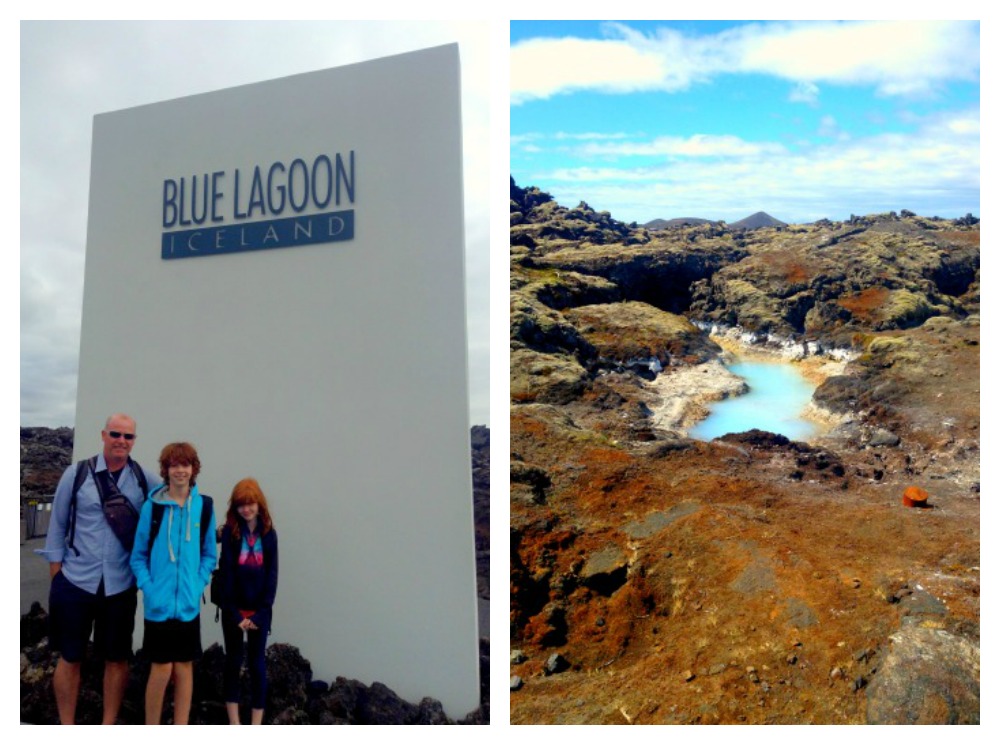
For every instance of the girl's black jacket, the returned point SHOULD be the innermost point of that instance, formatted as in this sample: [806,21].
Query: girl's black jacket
[254,590]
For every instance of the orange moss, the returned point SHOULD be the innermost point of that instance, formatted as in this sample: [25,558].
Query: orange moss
[863,305]
[962,237]
[605,457]
[528,425]
[787,267]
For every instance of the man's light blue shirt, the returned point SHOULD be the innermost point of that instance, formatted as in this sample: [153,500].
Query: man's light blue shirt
[101,554]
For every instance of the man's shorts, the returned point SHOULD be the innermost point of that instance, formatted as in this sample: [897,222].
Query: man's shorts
[172,640]
[74,612]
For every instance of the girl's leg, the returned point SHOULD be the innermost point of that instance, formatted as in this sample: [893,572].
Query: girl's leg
[159,676]
[256,641]
[183,688]
[233,637]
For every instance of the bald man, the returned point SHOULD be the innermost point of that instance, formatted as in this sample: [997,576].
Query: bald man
[93,588]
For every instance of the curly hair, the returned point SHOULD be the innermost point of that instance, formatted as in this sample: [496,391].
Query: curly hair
[179,454]
[247,491]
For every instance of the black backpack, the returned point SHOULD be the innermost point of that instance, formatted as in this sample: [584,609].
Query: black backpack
[111,502]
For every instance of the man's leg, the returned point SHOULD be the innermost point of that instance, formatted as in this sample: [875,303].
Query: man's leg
[183,689]
[159,676]
[71,617]
[66,684]
[115,681]
[113,639]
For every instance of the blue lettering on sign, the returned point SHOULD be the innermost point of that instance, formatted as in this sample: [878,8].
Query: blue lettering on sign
[252,236]
[198,203]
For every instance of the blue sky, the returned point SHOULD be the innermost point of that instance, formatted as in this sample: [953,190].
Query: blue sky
[720,119]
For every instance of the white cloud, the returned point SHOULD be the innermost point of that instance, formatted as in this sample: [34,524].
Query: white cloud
[696,146]
[541,68]
[518,140]
[828,127]
[895,57]
[590,136]
[804,92]
[933,171]
[963,125]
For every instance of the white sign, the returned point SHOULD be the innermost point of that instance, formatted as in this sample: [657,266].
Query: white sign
[332,369]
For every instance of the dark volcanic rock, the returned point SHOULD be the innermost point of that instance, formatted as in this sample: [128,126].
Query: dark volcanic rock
[34,625]
[292,696]
[535,478]
[535,216]
[481,506]
[660,275]
[879,274]
[45,454]
[288,676]
[757,438]
[606,570]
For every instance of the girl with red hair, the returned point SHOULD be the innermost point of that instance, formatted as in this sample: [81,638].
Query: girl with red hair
[248,565]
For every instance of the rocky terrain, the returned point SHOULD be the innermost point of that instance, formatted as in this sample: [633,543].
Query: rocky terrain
[481,509]
[659,579]
[45,454]
[293,696]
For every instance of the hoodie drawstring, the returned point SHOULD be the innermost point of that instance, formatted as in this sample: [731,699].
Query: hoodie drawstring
[170,535]
[170,527]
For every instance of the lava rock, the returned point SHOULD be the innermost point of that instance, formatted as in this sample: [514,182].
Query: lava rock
[556,663]
[928,677]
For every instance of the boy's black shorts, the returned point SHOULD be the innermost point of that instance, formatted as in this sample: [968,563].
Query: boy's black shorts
[172,641]
[74,613]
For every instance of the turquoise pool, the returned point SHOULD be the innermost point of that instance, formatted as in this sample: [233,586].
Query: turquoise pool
[778,395]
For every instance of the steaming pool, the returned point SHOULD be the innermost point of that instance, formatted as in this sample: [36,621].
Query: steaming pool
[777,399]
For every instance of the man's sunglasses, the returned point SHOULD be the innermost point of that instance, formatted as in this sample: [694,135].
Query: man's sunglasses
[115,435]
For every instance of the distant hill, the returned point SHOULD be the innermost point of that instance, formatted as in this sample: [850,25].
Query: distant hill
[757,220]
[677,222]
[754,221]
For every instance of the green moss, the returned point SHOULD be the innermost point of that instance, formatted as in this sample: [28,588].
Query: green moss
[905,309]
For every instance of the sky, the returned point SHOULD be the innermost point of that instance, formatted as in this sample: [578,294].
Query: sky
[70,71]
[721,119]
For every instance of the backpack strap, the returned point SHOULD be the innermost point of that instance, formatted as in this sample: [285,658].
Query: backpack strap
[154,524]
[157,518]
[140,476]
[83,469]
[206,515]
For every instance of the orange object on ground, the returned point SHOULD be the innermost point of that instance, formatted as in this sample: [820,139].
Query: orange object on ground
[914,496]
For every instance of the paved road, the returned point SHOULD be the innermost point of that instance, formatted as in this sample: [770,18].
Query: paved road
[34,575]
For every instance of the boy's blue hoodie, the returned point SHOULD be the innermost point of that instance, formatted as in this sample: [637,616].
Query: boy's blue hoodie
[174,574]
